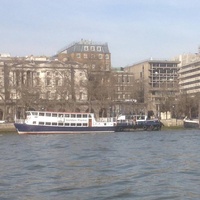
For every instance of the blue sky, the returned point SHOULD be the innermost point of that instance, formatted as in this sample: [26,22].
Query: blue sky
[135,30]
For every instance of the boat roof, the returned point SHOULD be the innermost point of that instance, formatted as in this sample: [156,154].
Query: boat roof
[58,112]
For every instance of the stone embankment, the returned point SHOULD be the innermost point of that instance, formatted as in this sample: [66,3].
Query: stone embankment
[7,127]
[172,122]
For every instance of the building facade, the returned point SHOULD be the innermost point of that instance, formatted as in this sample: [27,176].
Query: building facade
[35,84]
[94,55]
[158,81]
[189,77]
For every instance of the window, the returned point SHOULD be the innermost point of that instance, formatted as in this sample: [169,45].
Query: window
[85,48]
[66,124]
[73,115]
[57,82]
[54,115]
[48,123]
[128,79]
[92,48]
[48,73]
[37,81]
[84,124]
[48,82]
[98,48]
[60,124]
[54,124]
[41,123]
[73,124]
[78,115]
[78,124]
[67,115]
[60,115]
[48,114]
[100,56]
[85,55]
[107,56]
[41,114]
[84,115]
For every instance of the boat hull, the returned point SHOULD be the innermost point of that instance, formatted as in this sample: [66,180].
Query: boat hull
[191,124]
[36,129]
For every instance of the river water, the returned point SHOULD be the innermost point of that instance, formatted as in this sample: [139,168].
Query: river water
[101,166]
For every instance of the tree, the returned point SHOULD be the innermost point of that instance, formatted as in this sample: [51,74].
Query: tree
[187,105]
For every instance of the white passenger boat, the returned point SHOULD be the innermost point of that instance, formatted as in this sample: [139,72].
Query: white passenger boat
[191,123]
[41,122]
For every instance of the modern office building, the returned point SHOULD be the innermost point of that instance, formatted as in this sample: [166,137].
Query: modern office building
[189,77]
[158,80]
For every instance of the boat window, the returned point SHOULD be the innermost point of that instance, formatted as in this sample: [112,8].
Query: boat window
[73,124]
[28,113]
[78,115]
[48,114]
[41,114]
[73,115]
[79,124]
[35,113]
[66,124]
[54,123]
[54,115]
[60,115]
[90,116]
[60,124]
[84,115]
[34,122]
[84,124]
[41,123]
[66,115]
[48,123]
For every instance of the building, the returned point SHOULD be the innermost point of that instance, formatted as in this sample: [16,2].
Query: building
[40,84]
[94,55]
[189,77]
[77,77]
[158,80]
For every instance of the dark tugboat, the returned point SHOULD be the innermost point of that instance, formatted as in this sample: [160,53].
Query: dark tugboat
[137,122]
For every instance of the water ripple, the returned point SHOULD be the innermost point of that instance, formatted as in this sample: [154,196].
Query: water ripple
[139,166]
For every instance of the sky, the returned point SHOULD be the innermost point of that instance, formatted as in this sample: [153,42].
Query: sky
[135,30]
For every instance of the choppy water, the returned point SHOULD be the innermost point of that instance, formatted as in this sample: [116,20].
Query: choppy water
[101,166]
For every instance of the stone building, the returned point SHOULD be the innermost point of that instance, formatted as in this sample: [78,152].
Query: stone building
[77,78]
[126,93]
[94,55]
[40,84]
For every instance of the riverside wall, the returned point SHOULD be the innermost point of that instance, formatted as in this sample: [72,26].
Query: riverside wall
[172,122]
[7,127]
